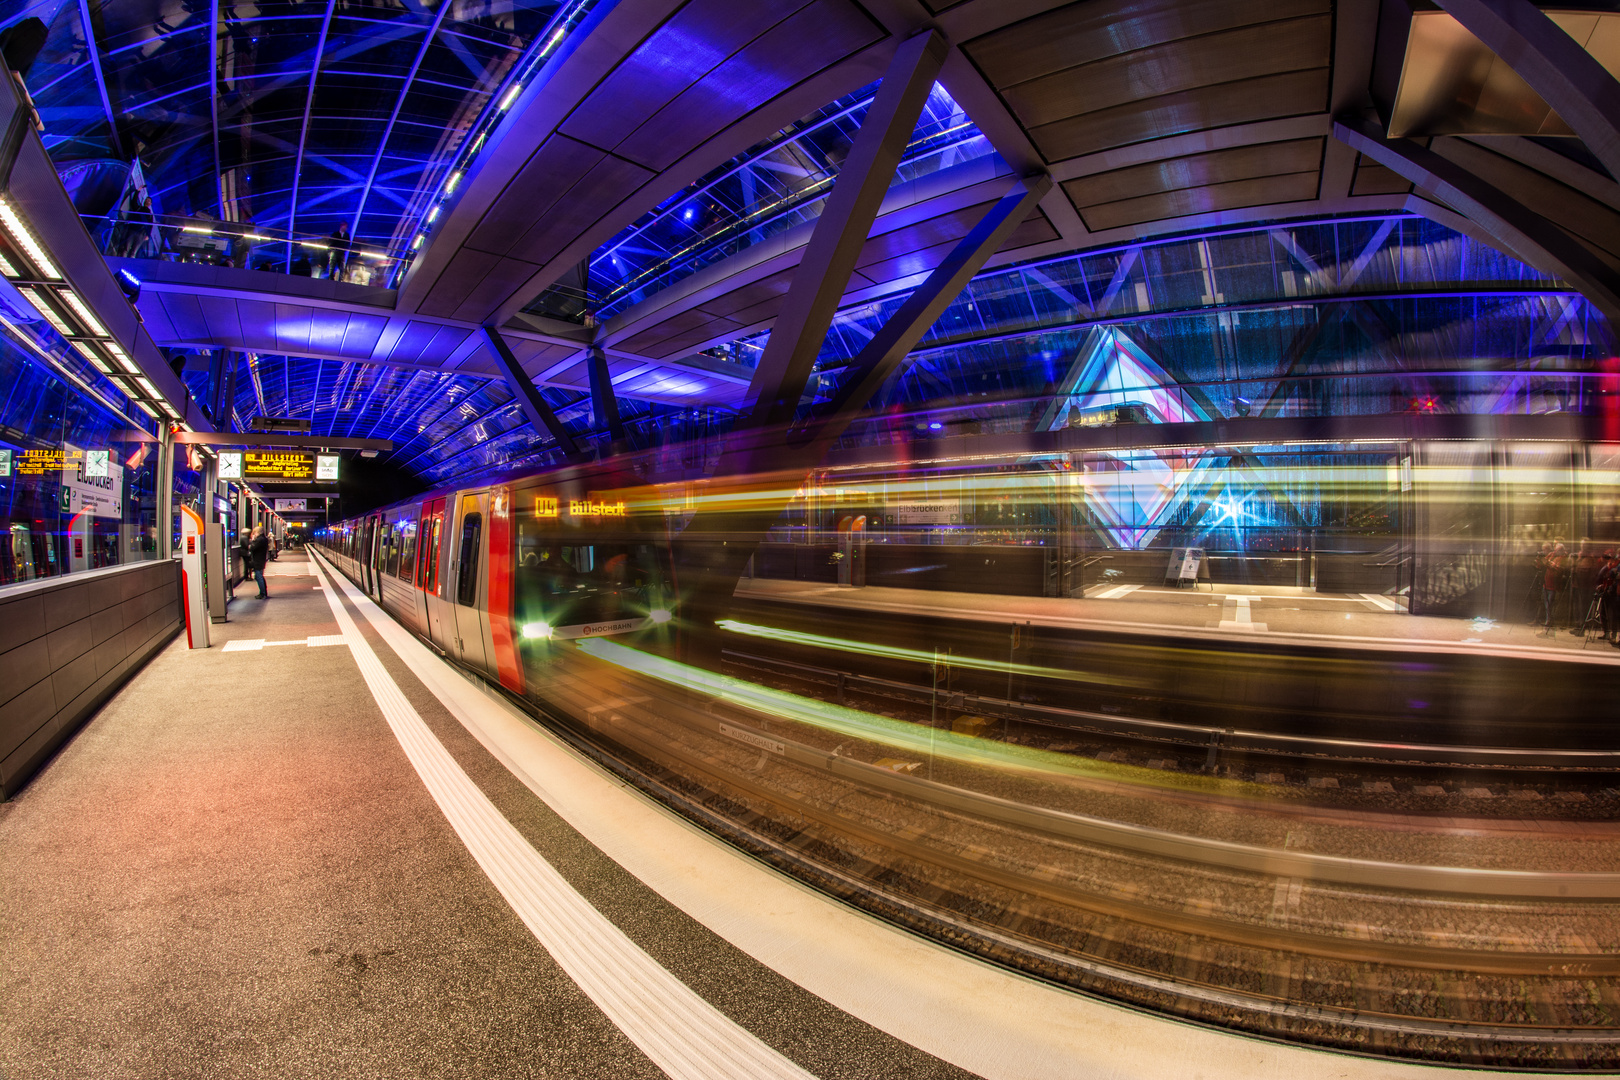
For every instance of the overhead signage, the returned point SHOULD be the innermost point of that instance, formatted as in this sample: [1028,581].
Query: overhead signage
[230,464]
[278,466]
[292,504]
[326,467]
[5,462]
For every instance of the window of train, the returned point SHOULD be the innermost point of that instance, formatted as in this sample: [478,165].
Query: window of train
[388,550]
[562,578]
[405,538]
[467,582]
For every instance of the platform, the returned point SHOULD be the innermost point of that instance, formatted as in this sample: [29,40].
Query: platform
[1281,613]
[316,849]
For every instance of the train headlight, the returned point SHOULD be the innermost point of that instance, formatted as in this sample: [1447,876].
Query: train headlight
[537,631]
[659,615]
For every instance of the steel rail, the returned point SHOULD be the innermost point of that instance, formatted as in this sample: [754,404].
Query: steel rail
[1231,739]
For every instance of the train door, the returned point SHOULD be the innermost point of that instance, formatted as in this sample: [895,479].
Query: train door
[852,550]
[466,561]
[430,560]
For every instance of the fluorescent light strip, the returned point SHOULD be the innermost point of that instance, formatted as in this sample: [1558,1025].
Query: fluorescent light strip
[121,356]
[7,269]
[146,384]
[94,357]
[82,310]
[45,309]
[197,230]
[25,239]
[145,408]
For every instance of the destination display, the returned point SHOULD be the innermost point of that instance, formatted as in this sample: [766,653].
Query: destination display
[277,466]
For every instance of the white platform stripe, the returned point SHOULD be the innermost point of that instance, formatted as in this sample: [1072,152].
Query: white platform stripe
[683,1034]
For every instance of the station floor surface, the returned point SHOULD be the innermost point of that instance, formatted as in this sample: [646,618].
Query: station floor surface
[1278,613]
[315,849]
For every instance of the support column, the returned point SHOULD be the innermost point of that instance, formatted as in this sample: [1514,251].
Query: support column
[163,495]
[604,406]
[529,397]
[829,258]
[879,358]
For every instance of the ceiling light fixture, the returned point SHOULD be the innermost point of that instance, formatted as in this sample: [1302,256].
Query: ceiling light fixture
[24,238]
[44,308]
[82,310]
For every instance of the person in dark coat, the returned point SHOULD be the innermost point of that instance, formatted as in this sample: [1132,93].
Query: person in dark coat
[260,551]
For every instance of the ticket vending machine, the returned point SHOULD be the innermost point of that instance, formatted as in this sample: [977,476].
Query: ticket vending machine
[219,571]
[194,577]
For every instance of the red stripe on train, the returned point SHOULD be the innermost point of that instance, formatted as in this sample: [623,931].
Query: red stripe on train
[508,665]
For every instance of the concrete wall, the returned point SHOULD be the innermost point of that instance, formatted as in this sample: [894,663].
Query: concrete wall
[66,644]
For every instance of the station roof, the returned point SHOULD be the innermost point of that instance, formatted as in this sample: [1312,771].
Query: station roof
[660,164]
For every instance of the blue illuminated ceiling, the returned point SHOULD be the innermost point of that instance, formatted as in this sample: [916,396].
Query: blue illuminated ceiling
[778,184]
[1293,259]
[308,113]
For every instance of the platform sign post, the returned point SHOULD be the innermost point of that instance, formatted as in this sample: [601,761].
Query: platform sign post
[194,577]
[1185,564]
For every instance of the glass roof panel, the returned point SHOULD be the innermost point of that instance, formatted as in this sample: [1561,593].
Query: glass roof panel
[778,184]
[318,105]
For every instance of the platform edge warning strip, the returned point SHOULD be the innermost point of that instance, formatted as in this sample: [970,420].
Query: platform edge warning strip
[677,1029]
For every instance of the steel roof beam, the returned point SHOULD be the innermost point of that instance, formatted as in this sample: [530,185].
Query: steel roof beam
[882,355]
[1513,226]
[529,397]
[1570,79]
[841,231]
[604,405]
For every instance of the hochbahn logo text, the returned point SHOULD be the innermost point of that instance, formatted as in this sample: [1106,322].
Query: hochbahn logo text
[591,629]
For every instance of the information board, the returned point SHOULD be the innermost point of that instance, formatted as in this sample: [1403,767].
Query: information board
[292,504]
[326,467]
[273,466]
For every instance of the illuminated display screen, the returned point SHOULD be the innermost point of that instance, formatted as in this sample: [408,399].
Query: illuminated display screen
[278,465]
[326,467]
[40,462]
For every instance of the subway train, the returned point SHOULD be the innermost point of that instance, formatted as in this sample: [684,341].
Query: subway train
[1121,815]
[481,569]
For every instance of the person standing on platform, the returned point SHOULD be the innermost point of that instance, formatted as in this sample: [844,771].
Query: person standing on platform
[1554,580]
[260,550]
[1607,590]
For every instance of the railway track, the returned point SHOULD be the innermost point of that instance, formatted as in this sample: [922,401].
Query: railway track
[985,874]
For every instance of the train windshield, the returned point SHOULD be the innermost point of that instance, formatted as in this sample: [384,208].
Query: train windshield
[562,584]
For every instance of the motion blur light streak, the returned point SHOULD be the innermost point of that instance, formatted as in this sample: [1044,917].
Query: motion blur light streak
[867,648]
[966,749]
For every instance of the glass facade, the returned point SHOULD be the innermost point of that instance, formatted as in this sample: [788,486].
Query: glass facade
[78,480]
